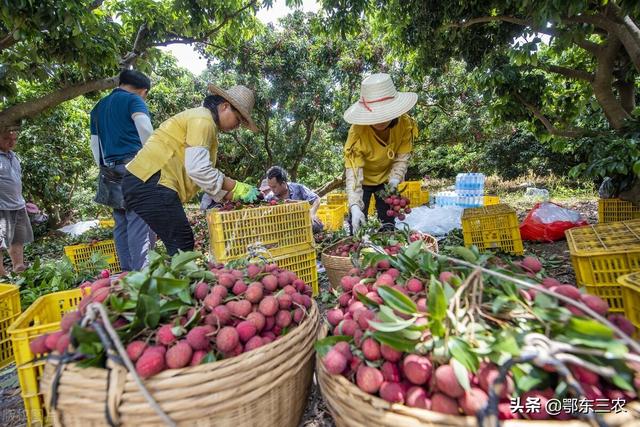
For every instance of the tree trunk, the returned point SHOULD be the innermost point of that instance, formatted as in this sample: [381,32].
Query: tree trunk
[325,188]
[627,95]
[603,83]
[309,127]
[34,107]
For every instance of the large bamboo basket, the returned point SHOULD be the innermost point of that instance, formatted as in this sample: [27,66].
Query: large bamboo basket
[337,266]
[265,387]
[351,407]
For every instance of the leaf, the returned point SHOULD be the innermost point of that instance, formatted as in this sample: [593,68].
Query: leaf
[590,327]
[622,382]
[462,375]
[171,306]
[167,286]
[210,357]
[394,341]
[507,344]
[411,335]
[148,311]
[397,300]
[461,351]
[183,258]
[413,249]
[324,345]
[185,296]
[391,326]
[366,301]
[464,253]
[203,275]
[437,302]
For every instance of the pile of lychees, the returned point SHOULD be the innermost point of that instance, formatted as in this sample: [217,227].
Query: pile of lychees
[398,206]
[422,379]
[236,312]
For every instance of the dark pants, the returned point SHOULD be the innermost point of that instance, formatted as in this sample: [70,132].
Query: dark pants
[388,223]
[161,208]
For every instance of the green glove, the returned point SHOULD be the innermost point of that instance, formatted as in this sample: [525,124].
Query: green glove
[244,192]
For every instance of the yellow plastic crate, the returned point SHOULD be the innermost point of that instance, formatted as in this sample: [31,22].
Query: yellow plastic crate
[43,316]
[106,223]
[304,265]
[603,252]
[337,198]
[280,229]
[492,227]
[82,252]
[332,216]
[9,311]
[630,284]
[611,210]
[412,190]
[491,200]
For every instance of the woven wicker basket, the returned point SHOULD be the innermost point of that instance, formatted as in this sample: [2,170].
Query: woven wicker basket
[351,407]
[337,266]
[265,387]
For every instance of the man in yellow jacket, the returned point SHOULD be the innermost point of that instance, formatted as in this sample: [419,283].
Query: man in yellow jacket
[179,159]
[378,146]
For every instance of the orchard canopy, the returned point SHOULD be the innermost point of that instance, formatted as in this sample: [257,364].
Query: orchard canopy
[505,87]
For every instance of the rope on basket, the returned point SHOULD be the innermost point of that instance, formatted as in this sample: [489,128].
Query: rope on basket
[110,339]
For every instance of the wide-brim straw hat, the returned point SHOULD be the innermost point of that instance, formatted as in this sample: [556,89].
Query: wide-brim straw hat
[242,99]
[379,102]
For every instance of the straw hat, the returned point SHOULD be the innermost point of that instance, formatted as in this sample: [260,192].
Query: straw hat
[242,99]
[379,102]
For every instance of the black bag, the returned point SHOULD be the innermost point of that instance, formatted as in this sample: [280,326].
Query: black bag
[110,188]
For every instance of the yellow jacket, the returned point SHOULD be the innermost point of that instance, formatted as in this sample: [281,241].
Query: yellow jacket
[164,151]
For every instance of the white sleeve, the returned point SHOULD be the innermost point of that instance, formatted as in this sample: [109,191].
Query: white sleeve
[353,185]
[399,167]
[198,165]
[95,148]
[143,126]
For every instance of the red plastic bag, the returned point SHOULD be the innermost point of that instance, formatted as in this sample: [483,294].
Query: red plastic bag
[547,222]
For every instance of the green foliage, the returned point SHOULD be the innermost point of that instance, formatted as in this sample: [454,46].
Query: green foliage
[521,154]
[42,278]
[56,159]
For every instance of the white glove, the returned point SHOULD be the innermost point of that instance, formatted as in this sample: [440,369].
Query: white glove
[357,217]
[393,183]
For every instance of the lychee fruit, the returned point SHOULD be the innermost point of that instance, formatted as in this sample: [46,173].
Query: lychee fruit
[179,355]
[135,349]
[246,330]
[473,401]
[198,337]
[417,369]
[444,404]
[227,339]
[392,392]
[447,382]
[334,361]
[369,379]
[150,363]
[165,336]
[269,305]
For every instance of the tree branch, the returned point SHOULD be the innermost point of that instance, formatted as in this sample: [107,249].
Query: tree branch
[571,73]
[567,133]
[33,107]
[235,137]
[486,19]
[137,50]
[327,187]
[177,38]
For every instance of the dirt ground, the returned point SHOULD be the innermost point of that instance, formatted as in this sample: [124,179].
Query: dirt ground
[556,262]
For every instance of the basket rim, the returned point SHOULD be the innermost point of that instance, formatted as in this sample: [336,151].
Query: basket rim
[592,232]
[254,208]
[314,315]
[8,288]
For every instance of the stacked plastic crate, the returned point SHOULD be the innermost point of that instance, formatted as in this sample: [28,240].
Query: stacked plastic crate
[279,233]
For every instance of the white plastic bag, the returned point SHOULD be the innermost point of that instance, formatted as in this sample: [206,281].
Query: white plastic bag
[436,221]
